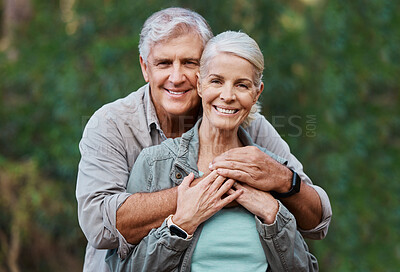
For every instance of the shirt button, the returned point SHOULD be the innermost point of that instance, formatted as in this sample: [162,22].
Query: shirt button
[178,175]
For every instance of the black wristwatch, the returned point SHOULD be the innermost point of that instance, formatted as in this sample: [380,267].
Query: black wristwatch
[296,182]
[176,230]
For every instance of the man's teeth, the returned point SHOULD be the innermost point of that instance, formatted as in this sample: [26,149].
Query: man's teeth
[171,92]
[225,110]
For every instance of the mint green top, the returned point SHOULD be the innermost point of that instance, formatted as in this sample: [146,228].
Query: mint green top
[230,242]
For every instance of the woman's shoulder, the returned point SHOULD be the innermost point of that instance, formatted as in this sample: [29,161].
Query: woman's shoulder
[166,150]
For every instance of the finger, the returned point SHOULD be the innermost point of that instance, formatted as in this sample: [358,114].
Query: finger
[237,185]
[209,179]
[217,184]
[238,175]
[231,191]
[224,188]
[242,154]
[231,197]
[188,180]
[235,165]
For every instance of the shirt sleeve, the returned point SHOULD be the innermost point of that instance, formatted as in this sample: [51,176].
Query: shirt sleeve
[158,251]
[265,135]
[284,247]
[101,182]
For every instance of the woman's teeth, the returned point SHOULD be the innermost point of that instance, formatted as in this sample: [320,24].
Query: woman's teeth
[225,110]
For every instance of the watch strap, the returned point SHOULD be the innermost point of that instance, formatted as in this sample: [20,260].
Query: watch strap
[294,189]
[177,230]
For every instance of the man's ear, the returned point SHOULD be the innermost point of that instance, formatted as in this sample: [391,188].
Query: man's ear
[199,91]
[259,92]
[144,67]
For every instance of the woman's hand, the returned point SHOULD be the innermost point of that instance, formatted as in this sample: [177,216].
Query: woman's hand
[199,202]
[259,203]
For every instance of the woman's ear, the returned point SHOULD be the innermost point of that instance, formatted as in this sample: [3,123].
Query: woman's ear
[198,84]
[259,92]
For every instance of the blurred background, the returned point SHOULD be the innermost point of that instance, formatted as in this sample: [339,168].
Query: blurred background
[332,91]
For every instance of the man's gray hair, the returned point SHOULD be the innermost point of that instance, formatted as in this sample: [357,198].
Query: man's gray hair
[169,23]
[239,44]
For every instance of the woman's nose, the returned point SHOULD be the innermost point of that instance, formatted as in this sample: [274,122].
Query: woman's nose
[227,94]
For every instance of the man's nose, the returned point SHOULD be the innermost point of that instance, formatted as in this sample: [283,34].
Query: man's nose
[177,74]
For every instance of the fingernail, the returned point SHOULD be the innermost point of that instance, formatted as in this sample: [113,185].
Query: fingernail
[210,166]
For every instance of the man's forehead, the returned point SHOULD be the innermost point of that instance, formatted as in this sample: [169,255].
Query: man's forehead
[183,47]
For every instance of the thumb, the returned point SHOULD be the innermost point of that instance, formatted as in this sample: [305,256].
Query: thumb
[188,180]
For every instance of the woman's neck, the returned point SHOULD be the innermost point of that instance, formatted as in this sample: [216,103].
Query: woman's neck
[213,142]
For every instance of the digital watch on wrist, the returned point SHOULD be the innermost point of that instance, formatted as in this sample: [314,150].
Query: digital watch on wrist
[296,182]
[176,230]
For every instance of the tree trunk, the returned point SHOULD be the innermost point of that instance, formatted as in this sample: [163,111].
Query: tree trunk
[15,12]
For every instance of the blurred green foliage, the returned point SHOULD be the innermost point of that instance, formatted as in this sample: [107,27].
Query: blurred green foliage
[332,91]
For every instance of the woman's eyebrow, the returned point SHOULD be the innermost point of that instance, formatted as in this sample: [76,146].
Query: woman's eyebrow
[215,75]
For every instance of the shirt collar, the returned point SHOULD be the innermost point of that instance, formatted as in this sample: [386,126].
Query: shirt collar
[151,114]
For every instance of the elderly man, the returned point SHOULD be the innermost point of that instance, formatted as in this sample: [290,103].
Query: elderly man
[171,44]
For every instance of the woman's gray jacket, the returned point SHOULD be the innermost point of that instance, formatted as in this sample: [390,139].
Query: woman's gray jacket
[164,166]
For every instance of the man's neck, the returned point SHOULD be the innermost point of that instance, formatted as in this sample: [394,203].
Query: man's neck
[175,126]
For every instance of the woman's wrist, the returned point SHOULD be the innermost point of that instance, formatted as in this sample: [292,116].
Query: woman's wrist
[269,215]
[186,224]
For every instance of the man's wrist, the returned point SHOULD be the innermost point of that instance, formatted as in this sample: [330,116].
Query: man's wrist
[285,181]
[295,183]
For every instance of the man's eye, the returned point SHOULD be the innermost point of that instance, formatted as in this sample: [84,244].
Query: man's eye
[162,63]
[191,63]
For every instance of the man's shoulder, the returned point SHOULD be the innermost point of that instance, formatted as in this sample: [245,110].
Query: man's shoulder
[260,126]
[128,111]
[119,118]
[122,106]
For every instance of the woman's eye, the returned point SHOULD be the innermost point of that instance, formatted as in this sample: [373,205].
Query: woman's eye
[215,81]
[243,86]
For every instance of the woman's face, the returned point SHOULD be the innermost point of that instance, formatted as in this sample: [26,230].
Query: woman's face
[228,91]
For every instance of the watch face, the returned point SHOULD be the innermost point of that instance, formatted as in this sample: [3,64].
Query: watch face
[178,232]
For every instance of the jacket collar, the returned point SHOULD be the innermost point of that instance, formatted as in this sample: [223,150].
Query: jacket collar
[187,154]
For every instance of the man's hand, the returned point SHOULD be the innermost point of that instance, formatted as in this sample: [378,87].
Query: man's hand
[252,166]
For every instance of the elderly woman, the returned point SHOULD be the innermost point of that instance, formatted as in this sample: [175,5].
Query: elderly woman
[219,225]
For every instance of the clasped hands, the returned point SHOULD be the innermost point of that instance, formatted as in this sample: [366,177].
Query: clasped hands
[244,174]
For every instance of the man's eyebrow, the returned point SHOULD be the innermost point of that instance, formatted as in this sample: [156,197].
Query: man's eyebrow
[156,60]
[192,59]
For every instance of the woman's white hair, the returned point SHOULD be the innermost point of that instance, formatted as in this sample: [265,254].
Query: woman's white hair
[169,23]
[239,44]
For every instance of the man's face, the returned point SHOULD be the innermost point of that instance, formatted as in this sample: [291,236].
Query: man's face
[171,72]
